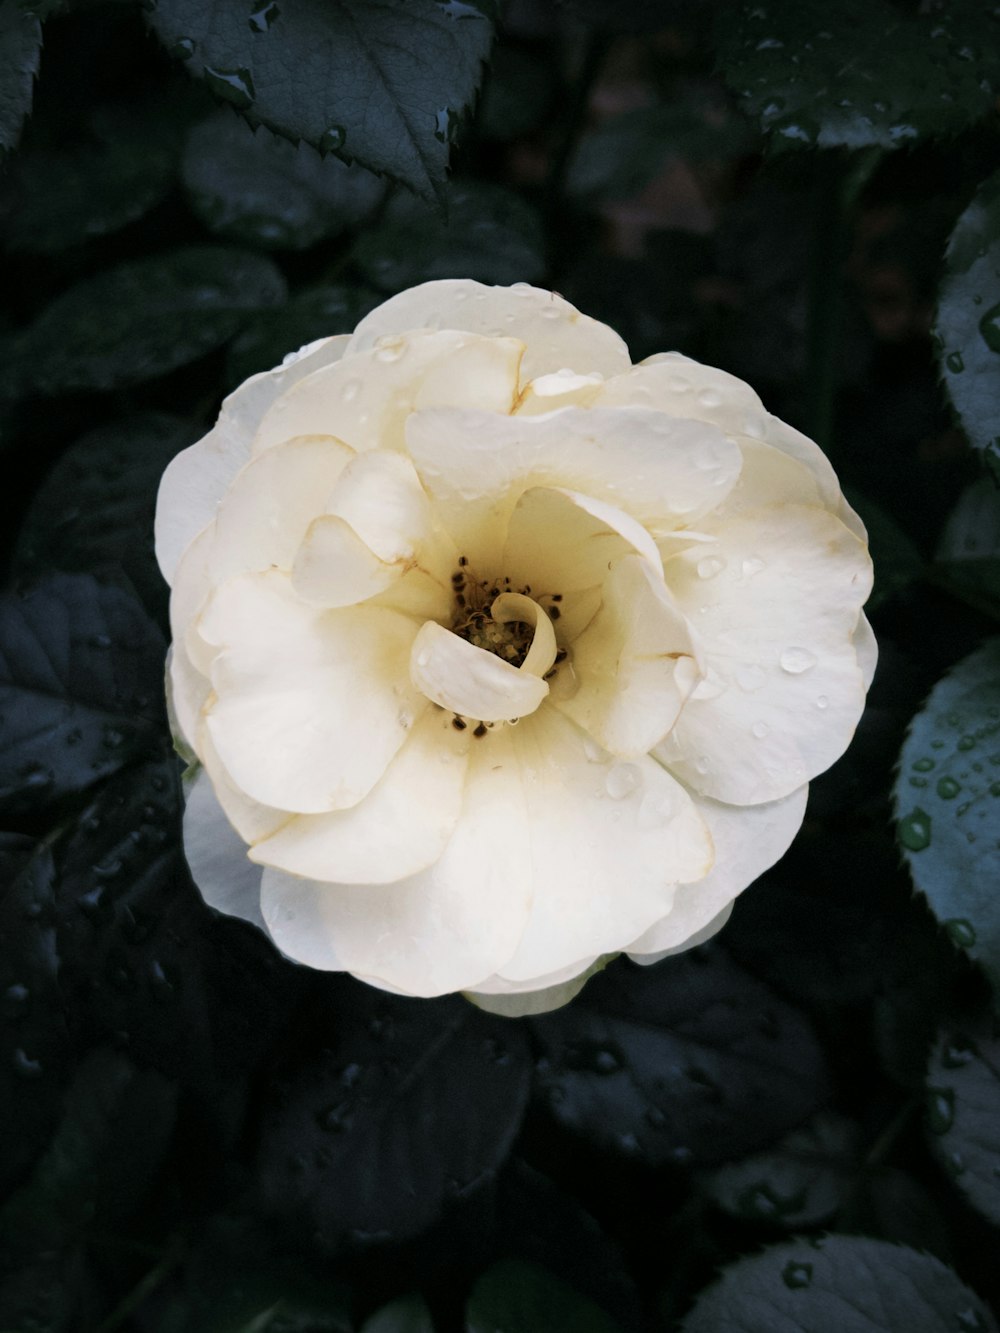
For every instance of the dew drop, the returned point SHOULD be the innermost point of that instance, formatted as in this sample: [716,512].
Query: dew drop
[709,566]
[923,765]
[263,15]
[954,362]
[969,1321]
[759,730]
[350,390]
[961,932]
[957,1053]
[710,398]
[966,743]
[752,566]
[622,780]
[915,830]
[948,788]
[796,1275]
[655,810]
[332,139]
[797,660]
[989,328]
[183,48]
[940,1108]
[232,85]
[389,349]
[593,752]
[822,701]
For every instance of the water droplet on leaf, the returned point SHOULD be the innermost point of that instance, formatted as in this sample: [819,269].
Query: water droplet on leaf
[915,830]
[232,85]
[961,932]
[796,1274]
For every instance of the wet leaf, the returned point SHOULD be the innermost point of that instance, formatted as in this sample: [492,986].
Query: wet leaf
[962,1112]
[20,49]
[947,804]
[145,318]
[408,1314]
[380,82]
[518,1297]
[261,190]
[968,552]
[688,1061]
[839,1284]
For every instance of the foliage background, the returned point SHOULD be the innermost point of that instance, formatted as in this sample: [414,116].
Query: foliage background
[198,1135]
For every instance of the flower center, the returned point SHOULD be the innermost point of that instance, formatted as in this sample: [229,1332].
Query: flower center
[478,618]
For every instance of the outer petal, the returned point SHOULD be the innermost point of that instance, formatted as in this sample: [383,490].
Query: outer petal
[441,930]
[217,857]
[249,818]
[775,606]
[866,649]
[400,828]
[475,466]
[197,478]
[605,843]
[636,662]
[517,1000]
[748,840]
[366,399]
[555,333]
[311,704]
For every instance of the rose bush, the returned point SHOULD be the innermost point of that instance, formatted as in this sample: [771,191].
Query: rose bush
[500,654]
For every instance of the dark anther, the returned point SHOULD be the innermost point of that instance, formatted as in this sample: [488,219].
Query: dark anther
[460,600]
[554,612]
[560,655]
[557,596]
[459,723]
[480,730]
[462,560]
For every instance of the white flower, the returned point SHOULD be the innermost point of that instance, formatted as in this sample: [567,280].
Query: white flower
[500,654]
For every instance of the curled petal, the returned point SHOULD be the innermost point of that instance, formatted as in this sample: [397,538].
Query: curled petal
[470,681]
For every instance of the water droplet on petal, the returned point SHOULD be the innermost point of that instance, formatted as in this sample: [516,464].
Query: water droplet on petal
[655,810]
[797,660]
[622,780]
[710,398]
[759,730]
[709,566]
[752,566]
[822,701]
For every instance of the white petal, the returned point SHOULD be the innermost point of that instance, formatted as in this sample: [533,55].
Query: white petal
[475,466]
[866,649]
[249,818]
[441,930]
[366,399]
[636,662]
[748,840]
[197,478]
[380,495]
[311,704]
[555,333]
[187,693]
[560,541]
[470,681]
[401,827]
[217,856]
[334,567]
[774,606]
[522,999]
[605,843]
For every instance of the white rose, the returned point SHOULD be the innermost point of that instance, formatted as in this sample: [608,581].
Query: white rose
[500,654]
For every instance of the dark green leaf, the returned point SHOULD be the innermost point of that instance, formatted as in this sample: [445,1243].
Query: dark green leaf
[897,561]
[968,320]
[20,49]
[947,804]
[406,1108]
[81,687]
[519,1297]
[968,553]
[860,73]
[145,318]
[95,507]
[839,1284]
[490,235]
[690,1060]
[621,156]
[409,1314]
[800,1182]
[264,191]
[315,312]
[59,197]
[963,1112]
[381,82]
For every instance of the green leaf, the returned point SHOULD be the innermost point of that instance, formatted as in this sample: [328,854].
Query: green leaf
[408,1314]
[968,553]
[839,1284]
[519,1297]
[690,1061]
[897,561]
[20,49]
[947,804]
[860,73]
[800,1182]
[621,156]
[81,685]
[264,191]
[963,1112]
[967,330]
[490,234]
[314,312]
[59,197]
[94,510]
[145,318]
[380,82]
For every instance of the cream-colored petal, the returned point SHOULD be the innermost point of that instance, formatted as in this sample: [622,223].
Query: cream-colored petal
[560,541]
[366,399]
[380,495]
[636,662]
[400,828]
[475,466]
[310,704]
[469,681]
[775,605]
[866,649]
[512,999]
[217,856]
[748,840]
[249,818]
[334,567]
[187,693]
[441,930]
[605,843]
[267,510]
[555,334]
[196,480]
